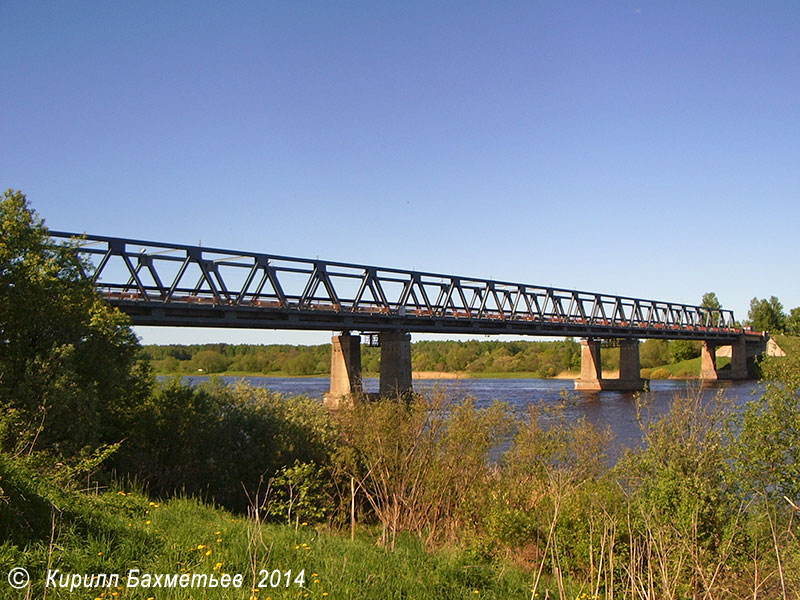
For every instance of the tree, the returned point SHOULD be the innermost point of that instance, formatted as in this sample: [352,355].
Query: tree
[766,315]
[711,301]
[684,349]
[654,353]
[69,374]
[793,321]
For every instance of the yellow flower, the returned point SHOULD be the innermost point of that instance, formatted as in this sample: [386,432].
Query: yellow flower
[208,553]
[217,566]
[217,532]
[99,554]
[147,522]
[200,546]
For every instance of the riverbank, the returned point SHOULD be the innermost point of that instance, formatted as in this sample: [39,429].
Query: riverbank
[684,370]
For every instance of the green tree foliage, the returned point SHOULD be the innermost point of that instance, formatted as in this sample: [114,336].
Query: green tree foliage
[770,438]
[545,359]
[684,349]
[210,361]
[711,301]
[68,362]
[793,322]
[219,441]
[766,315]
[654,353]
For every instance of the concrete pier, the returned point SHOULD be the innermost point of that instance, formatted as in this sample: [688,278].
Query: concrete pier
[591,379]
[739,353]
[345,370]
[395,364]
[708,362]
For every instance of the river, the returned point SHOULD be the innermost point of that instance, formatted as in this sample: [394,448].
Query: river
[614,409]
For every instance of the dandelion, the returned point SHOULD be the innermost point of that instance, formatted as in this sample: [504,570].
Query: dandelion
[200,546]
[208,553]
[217,566]
[147,522]
[99,554]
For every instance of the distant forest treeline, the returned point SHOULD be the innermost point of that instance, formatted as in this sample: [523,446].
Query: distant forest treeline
[544,359]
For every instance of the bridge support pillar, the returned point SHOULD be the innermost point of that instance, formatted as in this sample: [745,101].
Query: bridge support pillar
[591,379]
[395,364]
[345,370]
[739,359]
[738,368]
[708,362]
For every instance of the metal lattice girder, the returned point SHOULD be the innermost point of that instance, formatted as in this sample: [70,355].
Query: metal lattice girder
[172,284]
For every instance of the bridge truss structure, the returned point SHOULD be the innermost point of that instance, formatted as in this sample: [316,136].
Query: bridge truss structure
[158,283]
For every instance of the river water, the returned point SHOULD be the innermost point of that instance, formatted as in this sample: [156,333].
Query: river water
[614,409]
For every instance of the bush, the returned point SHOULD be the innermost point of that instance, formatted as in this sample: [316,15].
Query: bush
[220,442]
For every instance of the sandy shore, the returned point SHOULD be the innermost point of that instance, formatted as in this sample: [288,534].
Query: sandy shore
[437,375]
[568,375]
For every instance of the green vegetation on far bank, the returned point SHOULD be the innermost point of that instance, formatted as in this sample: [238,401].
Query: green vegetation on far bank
[660,359]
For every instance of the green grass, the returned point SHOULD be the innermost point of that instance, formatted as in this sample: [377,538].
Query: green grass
[116,530]
[685,369]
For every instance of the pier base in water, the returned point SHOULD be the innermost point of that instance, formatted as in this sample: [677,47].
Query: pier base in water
[592,380]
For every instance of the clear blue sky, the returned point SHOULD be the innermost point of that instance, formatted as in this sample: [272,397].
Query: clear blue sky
[642,148]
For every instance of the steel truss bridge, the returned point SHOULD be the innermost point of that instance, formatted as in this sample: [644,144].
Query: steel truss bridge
[158,283]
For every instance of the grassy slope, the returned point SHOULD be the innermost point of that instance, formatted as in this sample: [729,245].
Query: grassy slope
[685,369]
[789,343]
[113,531]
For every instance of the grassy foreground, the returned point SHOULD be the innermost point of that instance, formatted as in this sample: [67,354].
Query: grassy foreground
[117,530]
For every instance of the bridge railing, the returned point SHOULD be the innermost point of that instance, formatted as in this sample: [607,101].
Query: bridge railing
[128,270]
